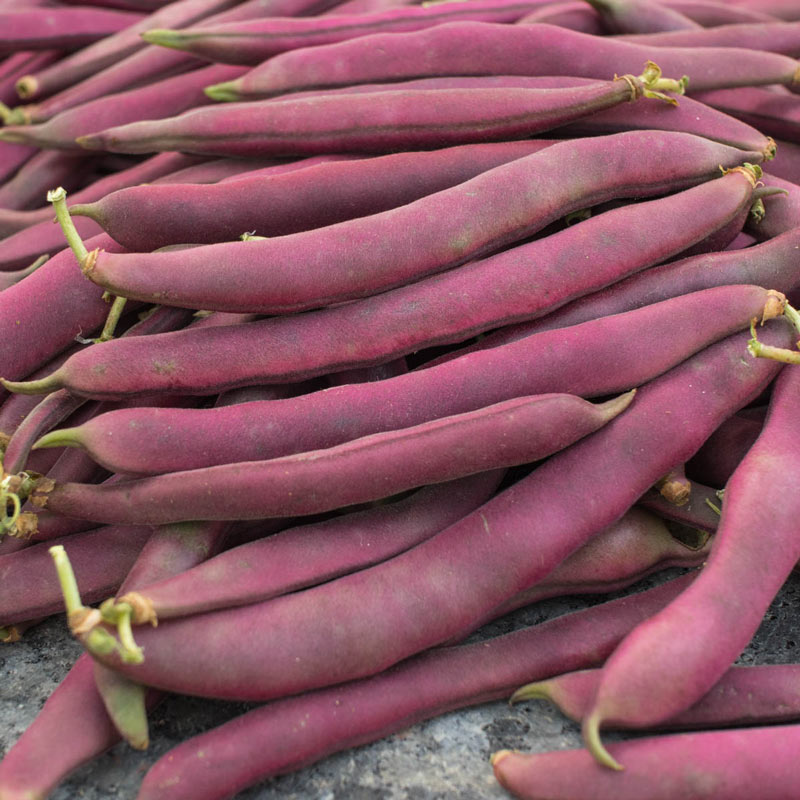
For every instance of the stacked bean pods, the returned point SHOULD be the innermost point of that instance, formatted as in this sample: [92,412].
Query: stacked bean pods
[365,331]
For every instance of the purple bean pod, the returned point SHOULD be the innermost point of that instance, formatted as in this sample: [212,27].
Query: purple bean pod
[484,48]
[507,434]
[597,358]
[465,571]
[266,742]
[363,256]
[669,663]
[60,27]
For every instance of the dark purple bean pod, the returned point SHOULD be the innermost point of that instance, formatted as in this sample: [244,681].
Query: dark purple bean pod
[758,695]
[307,555]
[485,48]
[507,434]
[363,256]
[147,217]
[153,101]
[14,66]
[635,546]
[43,756]
[598,358]
[670,662]
[60,27]
[101,559]
[252,41]
[265,742]
[575,15]
[698,513]
[710,14]
[715,461]
[17,406]
[520,283]
[111,49]
[403,120]
[467,570]
[772,37]
[707,14]
[737,764]
[641,16]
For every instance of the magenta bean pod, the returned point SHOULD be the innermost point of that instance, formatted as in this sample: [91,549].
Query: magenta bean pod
[355,122]
[437,310]
[770,263]
[153,101]
[148,170]
[28,338]
[641,16]
[42,757]
[765,694]
[363,256]
[60,27]
[287,645]
[773,37]
[669,663]
[154,63]
[514,432]
[597,358]
[111,49]
[307,555]
[714,765]
[485,48]
[101,559]
[266,742]
[253,41]
[146,217]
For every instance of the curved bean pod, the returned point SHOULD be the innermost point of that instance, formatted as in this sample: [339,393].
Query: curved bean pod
[403,120]
[686,648]
[597,358]
[310,554]
[287,645]
[508,434]
[772,37]
[641,16]
[519,283]
[363,256]
[143,218]
[60,27]
[156,100]
[254,41]
[734,765]
[755,695]
[485,48]
[266,742]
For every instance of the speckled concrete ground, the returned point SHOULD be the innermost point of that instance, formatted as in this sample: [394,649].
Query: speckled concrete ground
[440,759]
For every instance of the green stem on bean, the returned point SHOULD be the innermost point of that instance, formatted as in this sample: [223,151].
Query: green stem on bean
[591,735]
[58,197]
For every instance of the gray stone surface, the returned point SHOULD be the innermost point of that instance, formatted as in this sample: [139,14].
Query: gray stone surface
[440,759]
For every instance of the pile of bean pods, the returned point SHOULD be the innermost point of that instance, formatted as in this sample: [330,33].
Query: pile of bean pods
[330,358]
